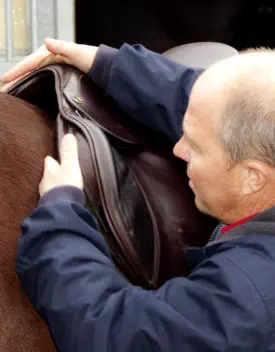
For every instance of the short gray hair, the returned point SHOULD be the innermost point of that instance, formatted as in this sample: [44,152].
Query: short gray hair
[246,128]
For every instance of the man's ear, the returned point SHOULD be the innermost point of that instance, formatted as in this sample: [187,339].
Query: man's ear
[254,176]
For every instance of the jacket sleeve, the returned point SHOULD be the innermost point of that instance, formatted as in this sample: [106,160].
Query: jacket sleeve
[148,86]
[66,269]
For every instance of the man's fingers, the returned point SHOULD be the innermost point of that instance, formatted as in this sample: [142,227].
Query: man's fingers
[28,64]
[7,86]
[67,172]
[51,52]
[54,51]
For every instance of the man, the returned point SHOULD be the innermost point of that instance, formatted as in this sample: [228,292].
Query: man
[228,301]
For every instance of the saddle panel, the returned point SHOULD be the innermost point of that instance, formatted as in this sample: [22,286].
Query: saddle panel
[137,190]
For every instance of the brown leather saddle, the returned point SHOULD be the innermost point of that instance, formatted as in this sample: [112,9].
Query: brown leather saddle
[137,190]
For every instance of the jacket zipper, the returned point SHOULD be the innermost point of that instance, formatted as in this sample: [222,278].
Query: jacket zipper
[215,233]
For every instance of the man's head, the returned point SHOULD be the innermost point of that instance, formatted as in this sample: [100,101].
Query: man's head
[229,136]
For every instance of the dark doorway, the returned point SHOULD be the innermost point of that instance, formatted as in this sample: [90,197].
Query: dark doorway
[160,25]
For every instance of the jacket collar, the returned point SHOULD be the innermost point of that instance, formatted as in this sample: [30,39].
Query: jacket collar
[230,227]
[261,224]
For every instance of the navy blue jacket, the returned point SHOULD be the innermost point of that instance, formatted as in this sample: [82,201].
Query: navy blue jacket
[226,304]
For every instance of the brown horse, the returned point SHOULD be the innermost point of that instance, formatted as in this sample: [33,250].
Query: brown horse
[26,137]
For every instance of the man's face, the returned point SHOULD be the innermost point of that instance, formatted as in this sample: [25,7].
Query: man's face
[215,184]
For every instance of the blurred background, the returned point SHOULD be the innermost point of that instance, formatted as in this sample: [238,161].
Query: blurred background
[162,24]
[157,24]
[25,23]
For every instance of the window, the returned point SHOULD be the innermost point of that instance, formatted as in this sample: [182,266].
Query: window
[15,35]
[25,23]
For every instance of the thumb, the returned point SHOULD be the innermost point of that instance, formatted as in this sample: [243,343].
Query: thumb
[51,165]
[51,175]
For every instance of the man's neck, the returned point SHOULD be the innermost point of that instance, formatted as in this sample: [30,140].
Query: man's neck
[248,207]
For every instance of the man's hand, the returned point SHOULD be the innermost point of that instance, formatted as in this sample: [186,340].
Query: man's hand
[54,51]
[67,173]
